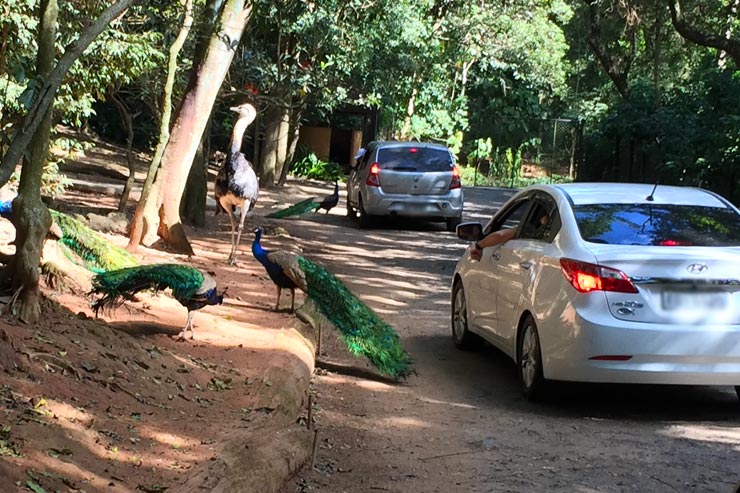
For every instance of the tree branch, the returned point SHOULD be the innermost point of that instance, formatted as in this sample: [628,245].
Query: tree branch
[728,45]
[48,89]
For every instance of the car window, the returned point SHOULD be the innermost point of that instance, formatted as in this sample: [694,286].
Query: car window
[543,220]
[658,224]
[415,159]
[511,218]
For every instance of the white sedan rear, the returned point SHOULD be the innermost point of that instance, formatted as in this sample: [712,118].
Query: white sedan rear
[627,283]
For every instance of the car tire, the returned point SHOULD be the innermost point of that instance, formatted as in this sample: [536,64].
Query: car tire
[351,212]
[737,391]
[462,337]
[365,219]
[529,361]
[452,223]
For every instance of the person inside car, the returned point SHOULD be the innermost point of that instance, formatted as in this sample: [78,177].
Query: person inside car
[499,237]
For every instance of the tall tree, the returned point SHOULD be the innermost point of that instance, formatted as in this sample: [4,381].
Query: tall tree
[30,216]
[161,209]
[700,31]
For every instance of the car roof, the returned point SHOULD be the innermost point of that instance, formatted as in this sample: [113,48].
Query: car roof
[393,143]
[636,193]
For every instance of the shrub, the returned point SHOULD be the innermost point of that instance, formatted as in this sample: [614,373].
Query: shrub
[310,166]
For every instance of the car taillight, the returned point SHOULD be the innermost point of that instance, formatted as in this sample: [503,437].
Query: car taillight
[587,277]
[455,183]
[373,178]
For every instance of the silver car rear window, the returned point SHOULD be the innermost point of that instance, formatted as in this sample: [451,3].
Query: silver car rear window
[659,224]
[414,159]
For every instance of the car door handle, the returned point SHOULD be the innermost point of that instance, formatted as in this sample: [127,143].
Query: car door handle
[526,265]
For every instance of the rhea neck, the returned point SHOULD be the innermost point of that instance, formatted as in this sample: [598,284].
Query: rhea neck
[237,134]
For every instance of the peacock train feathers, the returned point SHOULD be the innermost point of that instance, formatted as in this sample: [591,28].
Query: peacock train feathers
[191,287]
[364,332]
[310,204]
[301,207]
[97,254]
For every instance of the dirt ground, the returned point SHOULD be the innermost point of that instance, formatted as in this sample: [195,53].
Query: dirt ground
[116,404]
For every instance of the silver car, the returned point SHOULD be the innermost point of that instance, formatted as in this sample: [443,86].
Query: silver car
[409,179]
[626,283]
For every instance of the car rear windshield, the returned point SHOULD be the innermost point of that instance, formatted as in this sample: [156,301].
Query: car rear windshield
[415,159]
[662,225]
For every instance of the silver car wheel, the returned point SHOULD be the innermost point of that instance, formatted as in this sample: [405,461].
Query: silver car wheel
[459,315]
[530,356]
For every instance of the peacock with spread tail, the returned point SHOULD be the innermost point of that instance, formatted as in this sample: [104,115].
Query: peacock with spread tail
[95,253]
[361,329]
[191,287]
[312,203]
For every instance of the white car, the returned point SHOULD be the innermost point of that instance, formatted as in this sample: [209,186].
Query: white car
[626,283]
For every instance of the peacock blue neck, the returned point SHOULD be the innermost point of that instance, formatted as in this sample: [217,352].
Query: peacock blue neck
[257,250]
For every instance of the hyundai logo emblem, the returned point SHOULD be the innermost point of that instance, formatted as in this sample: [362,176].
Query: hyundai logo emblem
[697,268]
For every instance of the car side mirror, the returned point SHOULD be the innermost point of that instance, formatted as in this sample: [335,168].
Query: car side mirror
[470,231]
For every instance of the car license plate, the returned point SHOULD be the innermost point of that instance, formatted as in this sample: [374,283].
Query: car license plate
[694,300]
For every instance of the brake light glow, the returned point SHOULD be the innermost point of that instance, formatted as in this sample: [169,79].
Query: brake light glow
[586,277]
[413,150]
[674,243]
[455,182]
[373,177]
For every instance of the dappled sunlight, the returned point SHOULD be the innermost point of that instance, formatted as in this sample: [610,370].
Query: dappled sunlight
[706,433]
[406,422]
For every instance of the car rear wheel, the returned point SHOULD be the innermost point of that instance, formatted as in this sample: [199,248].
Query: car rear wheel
[365,219]
[351,212]
[737,391]
[529,357]
[452,223]
[463,338]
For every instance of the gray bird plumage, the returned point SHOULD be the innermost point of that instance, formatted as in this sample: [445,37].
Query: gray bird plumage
[236,183]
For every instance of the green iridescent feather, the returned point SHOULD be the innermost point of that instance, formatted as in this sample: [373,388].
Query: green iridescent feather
[301,207]
[122,284]
[364,332]
[98,254]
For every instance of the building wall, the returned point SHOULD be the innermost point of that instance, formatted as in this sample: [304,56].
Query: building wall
[318,139]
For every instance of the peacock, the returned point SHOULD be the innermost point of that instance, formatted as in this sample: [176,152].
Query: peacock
[312,203]
[192,287]
[362,330]
[273,269]
[97,254]
[236,183]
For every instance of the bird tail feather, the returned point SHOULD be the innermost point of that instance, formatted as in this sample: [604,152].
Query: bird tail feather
[364,332]
[120,285]
[301,207]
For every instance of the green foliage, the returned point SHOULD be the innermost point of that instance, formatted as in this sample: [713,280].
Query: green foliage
[364,332]
[311,167]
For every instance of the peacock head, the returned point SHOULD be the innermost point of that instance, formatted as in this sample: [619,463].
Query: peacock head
[257,231]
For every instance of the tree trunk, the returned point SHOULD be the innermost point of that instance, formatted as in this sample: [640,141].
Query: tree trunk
[293,134]
[144,224]
[30,216]
[281,150]
[128,125]
[196,188]
[268,163]
[192,116]
[49,86]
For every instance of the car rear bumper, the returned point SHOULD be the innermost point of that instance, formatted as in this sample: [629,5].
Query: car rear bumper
[658,354]
[447,205]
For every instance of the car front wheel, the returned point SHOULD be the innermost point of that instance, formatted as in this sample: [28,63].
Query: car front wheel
[529,357]
[463,338]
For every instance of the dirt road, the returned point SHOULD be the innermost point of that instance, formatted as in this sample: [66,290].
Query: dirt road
[462,424]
